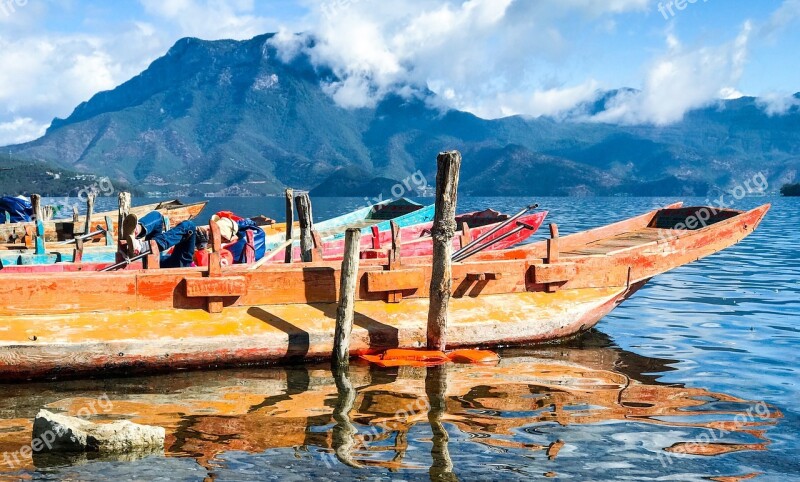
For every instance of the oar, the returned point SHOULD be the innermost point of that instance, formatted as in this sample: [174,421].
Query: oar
[99,231]
[126,262]
[271,254]
[493,231]
[474,251]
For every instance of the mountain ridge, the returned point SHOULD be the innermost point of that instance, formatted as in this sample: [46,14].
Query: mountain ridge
[229,117]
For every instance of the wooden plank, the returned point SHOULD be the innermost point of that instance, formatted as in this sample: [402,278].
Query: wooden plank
[397,280]
[226,286]
[554,273]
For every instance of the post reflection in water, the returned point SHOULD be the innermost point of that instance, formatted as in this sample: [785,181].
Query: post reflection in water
[344,431]
[436,390]
[546,410]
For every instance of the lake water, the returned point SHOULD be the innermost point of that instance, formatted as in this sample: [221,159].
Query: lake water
[693,379]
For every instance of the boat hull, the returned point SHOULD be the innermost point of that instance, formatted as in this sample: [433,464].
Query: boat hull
[60,230]
[69,346]
[74,324]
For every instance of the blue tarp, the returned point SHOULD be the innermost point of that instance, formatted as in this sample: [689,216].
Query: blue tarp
[19,209]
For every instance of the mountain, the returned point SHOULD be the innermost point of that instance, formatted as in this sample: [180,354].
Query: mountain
[229,117]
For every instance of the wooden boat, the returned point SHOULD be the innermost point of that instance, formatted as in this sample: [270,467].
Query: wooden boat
[417,241]
[96,255]
[72,324]
[61,230]
[207,414]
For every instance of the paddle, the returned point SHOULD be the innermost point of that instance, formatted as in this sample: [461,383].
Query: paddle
[493,231]
[271,254]
[126,262]
[100,230]
[474,251]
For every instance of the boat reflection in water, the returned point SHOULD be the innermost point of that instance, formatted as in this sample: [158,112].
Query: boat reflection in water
[584,406]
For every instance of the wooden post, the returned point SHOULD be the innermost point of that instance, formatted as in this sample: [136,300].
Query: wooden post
[444,228]
[124,210]
[36,203]
[250,248]
[77,254]
[289,223]
[394,253]
[89,211]
[306,225]
[215,303]
[466,235]
[153,260]
[553,255]
[347,298]
[75,216]
[109,231]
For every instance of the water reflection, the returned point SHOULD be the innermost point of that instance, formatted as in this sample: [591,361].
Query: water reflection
[538,404]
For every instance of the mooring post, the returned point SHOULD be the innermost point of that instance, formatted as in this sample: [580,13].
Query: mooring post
[444,228]
[36,204]
[347,298]
[124,210]
[89,211]
[553,255]
[306,225]
[75,216]
[289,223]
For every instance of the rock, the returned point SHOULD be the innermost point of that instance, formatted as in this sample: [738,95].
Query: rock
[60,433]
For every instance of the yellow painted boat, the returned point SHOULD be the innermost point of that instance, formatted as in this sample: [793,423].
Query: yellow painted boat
[78,324]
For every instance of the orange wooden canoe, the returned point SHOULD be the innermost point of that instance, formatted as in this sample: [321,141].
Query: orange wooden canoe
[59,230]
[75,324]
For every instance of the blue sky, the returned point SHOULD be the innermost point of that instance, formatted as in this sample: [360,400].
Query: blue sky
[491,57]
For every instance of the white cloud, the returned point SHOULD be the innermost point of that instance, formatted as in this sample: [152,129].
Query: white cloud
[211,19]
[778,103]
[682,80]
[787,14]
[481,55]
[21,129]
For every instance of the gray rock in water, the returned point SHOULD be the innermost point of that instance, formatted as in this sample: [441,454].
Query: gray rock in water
[60,433]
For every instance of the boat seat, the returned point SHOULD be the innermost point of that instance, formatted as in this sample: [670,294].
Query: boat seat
[616,243]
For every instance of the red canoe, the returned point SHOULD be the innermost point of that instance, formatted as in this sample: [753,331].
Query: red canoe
[417,241]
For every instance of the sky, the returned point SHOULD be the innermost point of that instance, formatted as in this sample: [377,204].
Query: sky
[491,57]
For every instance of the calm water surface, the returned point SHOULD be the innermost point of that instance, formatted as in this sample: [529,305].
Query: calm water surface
[694,378]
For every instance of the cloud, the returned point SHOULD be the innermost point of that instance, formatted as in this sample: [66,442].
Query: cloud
[211,19]
[787,14]
[778,103]
[681,80]
[474,53]
[19,130]
[48,75]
